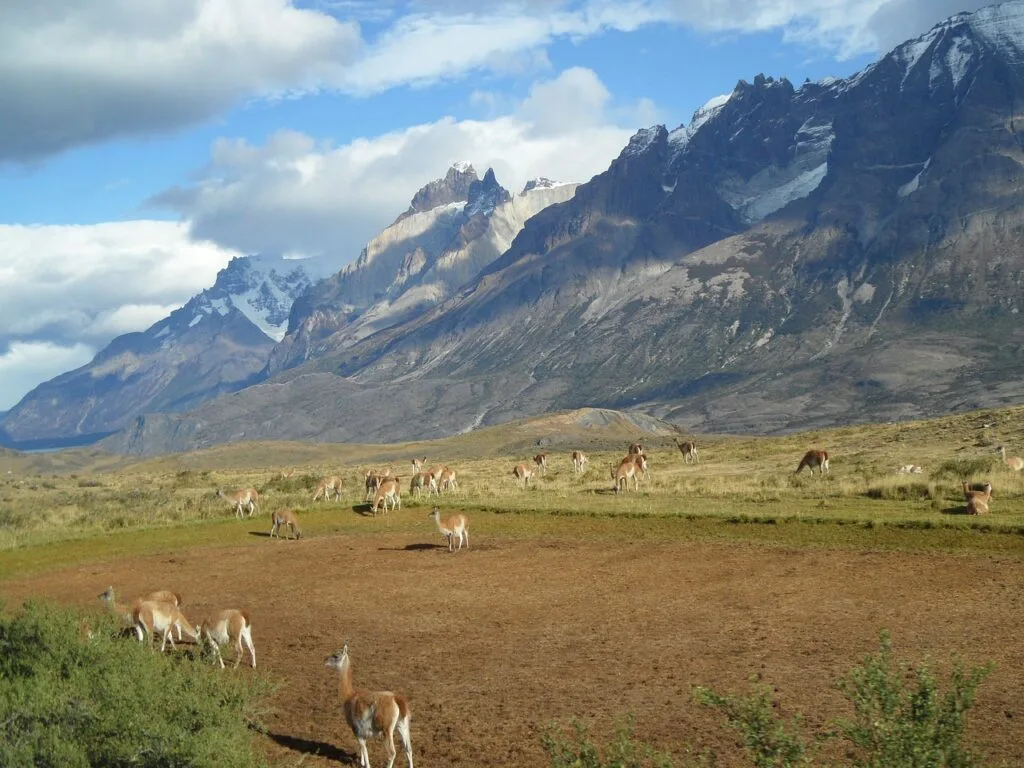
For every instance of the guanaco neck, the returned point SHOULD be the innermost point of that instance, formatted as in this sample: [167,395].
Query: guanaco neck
[345,681]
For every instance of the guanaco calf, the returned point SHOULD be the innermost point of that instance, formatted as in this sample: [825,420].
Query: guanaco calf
[814,458]
[229,626]
[523,474]
[285,517]
[372,713]
[326,486]
[579,462]
[541,460]
[450,527]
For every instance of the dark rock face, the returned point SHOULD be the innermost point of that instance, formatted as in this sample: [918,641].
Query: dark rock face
[794,257]
[453,188]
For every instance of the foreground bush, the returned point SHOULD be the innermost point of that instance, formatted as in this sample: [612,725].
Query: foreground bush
[902,718]
[67,700]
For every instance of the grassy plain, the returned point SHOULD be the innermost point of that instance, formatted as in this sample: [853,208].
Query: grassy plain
[60,507]
[708,573]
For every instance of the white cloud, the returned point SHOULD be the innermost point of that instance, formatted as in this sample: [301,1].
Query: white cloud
[25,364]
[67,289]
[845,28]
[292,194]
[75,72]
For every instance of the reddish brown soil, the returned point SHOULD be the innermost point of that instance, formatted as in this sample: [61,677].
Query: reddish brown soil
[492,644]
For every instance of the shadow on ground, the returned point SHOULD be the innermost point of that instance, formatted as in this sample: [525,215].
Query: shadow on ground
[310,747]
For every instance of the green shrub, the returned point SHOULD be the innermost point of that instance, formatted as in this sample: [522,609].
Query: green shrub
[769,741]
[69,700]
[579,751]
[901,717]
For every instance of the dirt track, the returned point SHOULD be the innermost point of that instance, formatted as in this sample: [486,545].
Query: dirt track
[492,644]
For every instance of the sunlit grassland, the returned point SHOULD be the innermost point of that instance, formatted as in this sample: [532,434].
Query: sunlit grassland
[69,507]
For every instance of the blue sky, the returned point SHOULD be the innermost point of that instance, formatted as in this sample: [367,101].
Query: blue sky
[143,145]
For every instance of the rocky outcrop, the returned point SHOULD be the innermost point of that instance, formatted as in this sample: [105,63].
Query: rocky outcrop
[413,265]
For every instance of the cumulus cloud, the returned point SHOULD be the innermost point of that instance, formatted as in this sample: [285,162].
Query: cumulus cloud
[68,290]
[25,364]
[74,73]
[293,194]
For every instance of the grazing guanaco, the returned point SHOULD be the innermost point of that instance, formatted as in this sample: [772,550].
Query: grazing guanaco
[247,498]
[417,464]
[1016,463]
[152,617]
[124,611]
[448,481]
[814,458]
[541,460]
[579,462]
[388,490]
[229,626]
[977,501]
[450,527]
[285,517]
[421,480]
[689,451]
[325,486]
[373,481]
[523,474]
[372,713]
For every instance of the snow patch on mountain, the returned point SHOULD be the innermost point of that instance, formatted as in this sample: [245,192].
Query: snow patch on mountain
[772,188]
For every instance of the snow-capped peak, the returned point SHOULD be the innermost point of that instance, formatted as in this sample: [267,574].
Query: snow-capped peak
[463,166]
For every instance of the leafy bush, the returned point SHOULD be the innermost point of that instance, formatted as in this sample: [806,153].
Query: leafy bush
[580,752]
[768,740]
[67,699]
[902,718]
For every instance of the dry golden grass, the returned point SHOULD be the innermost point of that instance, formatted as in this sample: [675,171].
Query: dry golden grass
[739,479]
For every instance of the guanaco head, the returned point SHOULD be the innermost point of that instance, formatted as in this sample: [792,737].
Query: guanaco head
[107,595]
[338,659]
[435,513]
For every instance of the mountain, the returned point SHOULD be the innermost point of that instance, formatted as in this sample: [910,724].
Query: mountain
[840,251]
[453,228]
[217,342]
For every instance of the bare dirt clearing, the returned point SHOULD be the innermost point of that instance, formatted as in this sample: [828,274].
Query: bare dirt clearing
[492,644]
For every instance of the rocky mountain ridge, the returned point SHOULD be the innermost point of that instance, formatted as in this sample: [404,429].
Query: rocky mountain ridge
[839,251]
[217,342]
